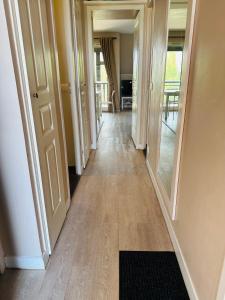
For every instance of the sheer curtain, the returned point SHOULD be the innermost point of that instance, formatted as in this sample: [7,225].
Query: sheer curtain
[110,66]
[2,263]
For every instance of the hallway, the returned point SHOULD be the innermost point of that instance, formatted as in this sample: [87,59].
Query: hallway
[114,208]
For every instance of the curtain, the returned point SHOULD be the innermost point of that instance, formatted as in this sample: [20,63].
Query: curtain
[110,66]
[2,263]
[176,40]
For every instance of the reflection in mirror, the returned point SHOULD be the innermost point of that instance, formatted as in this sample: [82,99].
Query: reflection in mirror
[177,17]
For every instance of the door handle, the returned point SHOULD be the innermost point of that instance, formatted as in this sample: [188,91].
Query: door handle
[35,95]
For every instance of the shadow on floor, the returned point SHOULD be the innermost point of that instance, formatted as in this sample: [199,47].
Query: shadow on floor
[74,179]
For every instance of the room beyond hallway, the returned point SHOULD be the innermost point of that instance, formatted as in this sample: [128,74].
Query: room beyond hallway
[114,208]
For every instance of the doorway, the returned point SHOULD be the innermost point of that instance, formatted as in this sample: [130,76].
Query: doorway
[113,43]
[114,39]
[63,33]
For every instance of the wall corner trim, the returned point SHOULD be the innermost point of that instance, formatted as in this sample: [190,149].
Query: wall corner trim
[27,262]
[180,257]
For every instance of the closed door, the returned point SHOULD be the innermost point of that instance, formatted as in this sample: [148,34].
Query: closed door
[135,84]
[38,59]
[82,86]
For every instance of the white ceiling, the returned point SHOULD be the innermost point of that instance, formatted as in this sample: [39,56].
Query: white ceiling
[177,18]
[114,14]
[120,26]
[121,21]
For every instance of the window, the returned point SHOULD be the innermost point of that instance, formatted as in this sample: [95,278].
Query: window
[173,70]
[101,79]
[100,71]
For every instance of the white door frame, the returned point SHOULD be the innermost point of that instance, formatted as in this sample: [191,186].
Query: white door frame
[171,201]
[76,91]
[17,47]
[135,133]
[90,6]
[71,86]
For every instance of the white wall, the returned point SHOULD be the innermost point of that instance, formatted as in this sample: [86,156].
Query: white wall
[18,224]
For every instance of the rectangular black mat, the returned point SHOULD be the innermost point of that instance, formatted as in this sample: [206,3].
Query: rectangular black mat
[150,275]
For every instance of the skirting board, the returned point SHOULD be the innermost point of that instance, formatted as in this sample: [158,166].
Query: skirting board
[181,260]
[26,262]
[93,146]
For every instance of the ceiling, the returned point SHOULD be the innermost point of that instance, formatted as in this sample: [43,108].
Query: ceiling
[114,14]
[120,26]
[121,21]
[177,18]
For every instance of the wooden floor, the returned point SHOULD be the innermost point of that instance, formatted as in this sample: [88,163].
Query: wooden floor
[114,208]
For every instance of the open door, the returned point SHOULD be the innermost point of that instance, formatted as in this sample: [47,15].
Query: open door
[135,82]
[33,16]
[81,79]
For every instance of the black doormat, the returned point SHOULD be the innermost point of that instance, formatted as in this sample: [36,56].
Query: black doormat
[74,179]
[150,275]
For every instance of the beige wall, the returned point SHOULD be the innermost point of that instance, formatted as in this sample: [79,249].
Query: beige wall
[126,53]
[64,78]
[201,196]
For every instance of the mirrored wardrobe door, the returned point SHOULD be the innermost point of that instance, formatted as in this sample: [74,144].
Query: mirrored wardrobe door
[171,98]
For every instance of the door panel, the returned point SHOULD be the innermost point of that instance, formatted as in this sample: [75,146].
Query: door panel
[37,50]
[37,46]
[46,119]
[53,176]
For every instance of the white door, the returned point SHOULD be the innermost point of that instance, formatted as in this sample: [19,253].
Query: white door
[81,81]
[38,59]
[135,83]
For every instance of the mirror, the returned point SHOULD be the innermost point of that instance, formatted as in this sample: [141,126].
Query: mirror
[177,17]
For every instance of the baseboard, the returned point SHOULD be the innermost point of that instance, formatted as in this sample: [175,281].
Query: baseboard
[93,146]
[27,262]
[180,257]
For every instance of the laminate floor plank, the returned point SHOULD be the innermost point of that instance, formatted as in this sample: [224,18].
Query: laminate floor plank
[113,208]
